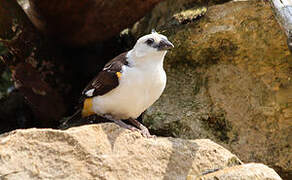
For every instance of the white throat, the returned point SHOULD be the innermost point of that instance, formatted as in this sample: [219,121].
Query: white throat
[146,61]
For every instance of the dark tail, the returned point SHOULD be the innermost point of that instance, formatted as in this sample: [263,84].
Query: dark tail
[72,120]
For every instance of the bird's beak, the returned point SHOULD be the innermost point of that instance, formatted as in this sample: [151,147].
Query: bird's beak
[165,45]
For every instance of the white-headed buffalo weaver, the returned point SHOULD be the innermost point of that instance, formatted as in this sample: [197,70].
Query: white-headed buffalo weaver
[128,84]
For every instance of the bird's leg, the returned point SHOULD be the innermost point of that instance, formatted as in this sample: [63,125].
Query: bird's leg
[144,130]
[121,123]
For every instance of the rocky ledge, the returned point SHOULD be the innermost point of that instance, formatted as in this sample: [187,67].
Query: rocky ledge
[105,151]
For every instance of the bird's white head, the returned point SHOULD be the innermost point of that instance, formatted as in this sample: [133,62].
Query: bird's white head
[153,44]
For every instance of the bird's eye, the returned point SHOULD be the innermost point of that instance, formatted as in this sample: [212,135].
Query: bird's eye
[150,41]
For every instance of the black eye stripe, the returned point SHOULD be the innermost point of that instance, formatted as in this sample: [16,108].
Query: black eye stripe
[150,41]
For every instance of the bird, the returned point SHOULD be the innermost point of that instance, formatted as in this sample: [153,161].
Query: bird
[128,84]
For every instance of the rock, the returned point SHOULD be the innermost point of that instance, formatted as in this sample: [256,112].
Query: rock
[229,79]
[250,171]
[171,12]
[83,22]
[106,151]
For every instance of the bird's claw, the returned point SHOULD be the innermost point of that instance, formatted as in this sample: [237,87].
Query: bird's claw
[142,129]
[145,133]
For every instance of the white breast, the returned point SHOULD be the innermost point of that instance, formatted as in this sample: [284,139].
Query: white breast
[138,89]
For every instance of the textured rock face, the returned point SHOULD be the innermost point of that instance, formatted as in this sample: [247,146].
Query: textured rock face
[170,12]
[106,151]
[250,171]
[229,79]
[82,22]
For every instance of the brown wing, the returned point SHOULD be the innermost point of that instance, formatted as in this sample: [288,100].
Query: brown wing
[107,79]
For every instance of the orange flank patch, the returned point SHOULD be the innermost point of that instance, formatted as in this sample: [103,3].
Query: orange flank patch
[119,74]
[87,108]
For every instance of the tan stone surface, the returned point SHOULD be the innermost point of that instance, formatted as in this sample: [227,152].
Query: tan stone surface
[105,151]
[250,171]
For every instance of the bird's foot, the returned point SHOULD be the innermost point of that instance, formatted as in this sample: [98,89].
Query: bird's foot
[121,123]
[143,130]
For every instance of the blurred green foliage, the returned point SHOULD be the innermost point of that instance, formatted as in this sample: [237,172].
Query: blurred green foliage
[5,82]
[5,74]
[3,49]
